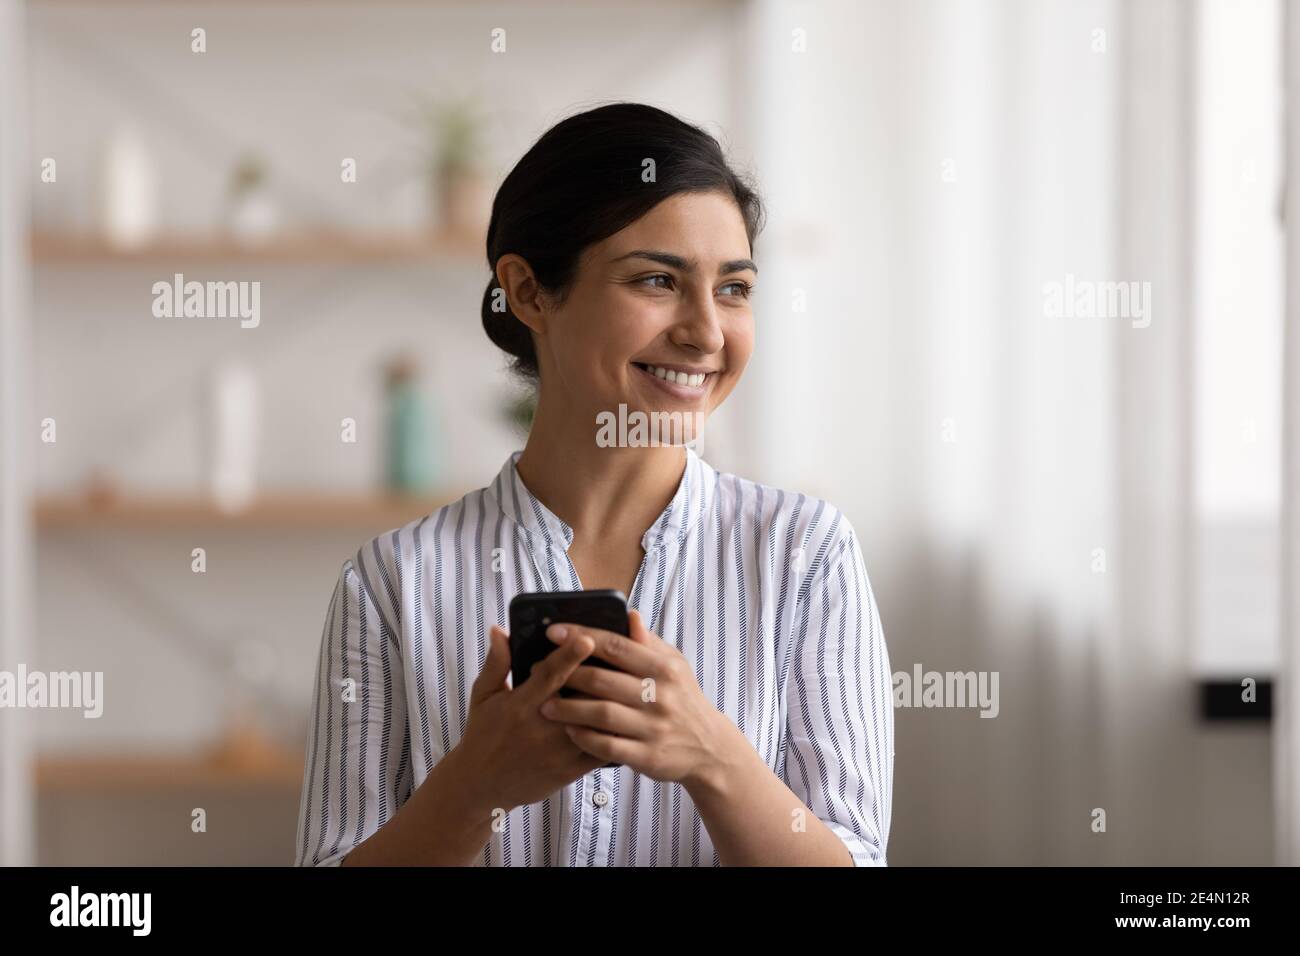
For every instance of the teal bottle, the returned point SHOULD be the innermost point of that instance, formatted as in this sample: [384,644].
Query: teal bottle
[411,434]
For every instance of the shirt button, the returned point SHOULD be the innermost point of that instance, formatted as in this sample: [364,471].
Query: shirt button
[600,798]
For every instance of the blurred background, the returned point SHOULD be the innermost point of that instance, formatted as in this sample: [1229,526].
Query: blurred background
[1099,507]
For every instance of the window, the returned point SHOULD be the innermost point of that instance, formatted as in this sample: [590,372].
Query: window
[1239,297]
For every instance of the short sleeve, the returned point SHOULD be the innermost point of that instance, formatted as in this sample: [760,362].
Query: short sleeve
[357,766]
[840,720]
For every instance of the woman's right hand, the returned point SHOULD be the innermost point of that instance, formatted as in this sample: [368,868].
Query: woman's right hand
[510,754]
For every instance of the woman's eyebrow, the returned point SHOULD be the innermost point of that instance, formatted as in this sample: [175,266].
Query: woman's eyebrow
[684,264]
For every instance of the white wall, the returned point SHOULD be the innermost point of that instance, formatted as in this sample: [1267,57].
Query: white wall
[17,842]
[1287,749]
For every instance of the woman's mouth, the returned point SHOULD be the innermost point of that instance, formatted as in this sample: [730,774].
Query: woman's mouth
[679,384]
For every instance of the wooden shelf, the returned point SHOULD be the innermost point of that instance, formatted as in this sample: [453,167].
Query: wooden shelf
[242,757]
[307,247]
[305,510]
[98,773]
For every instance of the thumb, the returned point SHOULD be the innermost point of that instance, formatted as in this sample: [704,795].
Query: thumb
[636,628]
[495,667]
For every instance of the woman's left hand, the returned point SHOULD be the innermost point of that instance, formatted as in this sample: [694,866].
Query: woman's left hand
[650,714]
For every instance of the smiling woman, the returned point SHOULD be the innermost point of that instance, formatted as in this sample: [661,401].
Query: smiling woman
[621,249]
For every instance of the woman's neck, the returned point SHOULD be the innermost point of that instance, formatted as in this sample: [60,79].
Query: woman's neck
[598,491]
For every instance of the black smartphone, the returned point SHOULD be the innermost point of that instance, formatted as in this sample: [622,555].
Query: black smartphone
[533,612]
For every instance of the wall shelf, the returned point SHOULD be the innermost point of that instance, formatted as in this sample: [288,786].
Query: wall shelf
[301,510]
[307,247]
[243,757]
[97,773]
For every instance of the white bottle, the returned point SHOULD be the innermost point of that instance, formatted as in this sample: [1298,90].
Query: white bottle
[234,432]
[128,193]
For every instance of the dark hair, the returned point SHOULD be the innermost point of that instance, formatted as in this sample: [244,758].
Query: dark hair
[581,183]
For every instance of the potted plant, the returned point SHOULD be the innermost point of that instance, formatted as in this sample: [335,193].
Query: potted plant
[519,410]
[252,214]
[453,163]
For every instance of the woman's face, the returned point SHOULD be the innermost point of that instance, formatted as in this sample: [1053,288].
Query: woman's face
[668,292]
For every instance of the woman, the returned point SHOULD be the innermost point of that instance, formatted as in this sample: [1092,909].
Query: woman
[621,252]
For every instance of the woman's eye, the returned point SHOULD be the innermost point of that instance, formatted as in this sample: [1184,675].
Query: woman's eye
[743,289]
[666,278]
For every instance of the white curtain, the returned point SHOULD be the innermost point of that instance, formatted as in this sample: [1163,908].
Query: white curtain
[1021,482]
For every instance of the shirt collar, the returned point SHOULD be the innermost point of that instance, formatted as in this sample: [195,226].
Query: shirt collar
[691,500]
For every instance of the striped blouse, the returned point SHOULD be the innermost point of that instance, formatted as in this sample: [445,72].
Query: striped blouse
[763,591]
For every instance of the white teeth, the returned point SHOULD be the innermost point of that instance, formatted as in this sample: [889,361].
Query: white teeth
[679,378]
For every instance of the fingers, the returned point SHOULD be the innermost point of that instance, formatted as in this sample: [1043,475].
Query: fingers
[608,685]
[549,676]
[601,715]
[495,668]
[609,748]
[645,659]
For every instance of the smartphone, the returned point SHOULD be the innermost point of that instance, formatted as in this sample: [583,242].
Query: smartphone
[532,613]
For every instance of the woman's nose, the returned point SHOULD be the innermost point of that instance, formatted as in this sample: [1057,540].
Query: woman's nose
[697,324]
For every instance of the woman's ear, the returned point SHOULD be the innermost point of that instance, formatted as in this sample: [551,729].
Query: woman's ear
[524,293]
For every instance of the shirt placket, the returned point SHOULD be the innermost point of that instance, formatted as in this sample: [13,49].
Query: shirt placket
[589,803]
[592,804]
[591,798]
